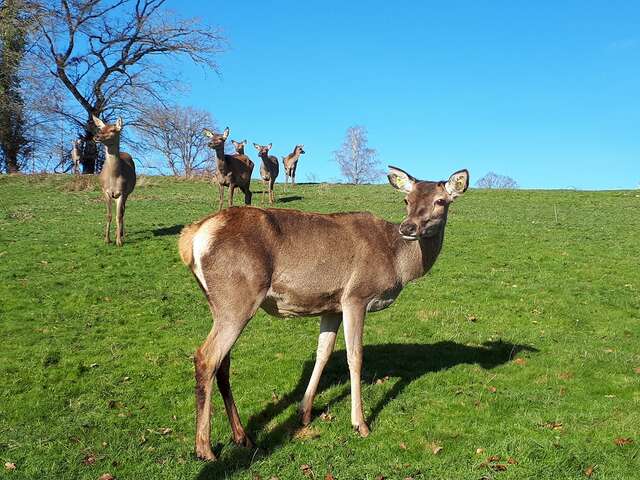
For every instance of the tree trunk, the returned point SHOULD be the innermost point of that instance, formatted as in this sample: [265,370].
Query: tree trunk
[89,154]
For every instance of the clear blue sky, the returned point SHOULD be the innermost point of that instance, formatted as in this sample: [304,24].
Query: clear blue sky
[547,92]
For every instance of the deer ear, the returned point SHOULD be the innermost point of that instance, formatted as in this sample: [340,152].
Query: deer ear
[256,145]
[225,134]
[269,146]
[401,180]
[207,132]
[98,123]
[244,142]
[119,124]
[457,183]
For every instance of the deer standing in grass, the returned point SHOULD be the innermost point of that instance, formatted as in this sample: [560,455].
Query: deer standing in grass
[232,170]
[250,258]
[291,163]
[118,175]
[76,154]
[269,170]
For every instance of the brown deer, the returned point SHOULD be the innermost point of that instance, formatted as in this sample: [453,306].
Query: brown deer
[269,170]
[76,154]
[239,146]
[291,163]
[232,170]
[250,258]
[118,175]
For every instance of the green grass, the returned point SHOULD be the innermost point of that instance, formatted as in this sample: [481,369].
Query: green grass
[96,363]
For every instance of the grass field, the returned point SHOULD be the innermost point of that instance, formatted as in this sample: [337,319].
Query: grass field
[522,343]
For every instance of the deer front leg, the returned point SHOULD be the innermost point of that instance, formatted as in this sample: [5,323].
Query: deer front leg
[329,325]
[272,196]
[232,189]
[264,189]
[120,205]
[222,376]
[108,201]
[221,201]
[353,315]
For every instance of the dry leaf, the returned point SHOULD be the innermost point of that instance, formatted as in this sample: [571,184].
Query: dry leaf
[329,476]
[106,476]
[472,318]
[436,449]
[554,425]
[306,470]
[403,446]
[621,442]
[479,451]
[493,389]
[589,471]
[512,461]
[380,381]
[637,370]
[499,467]
[89,459]
[326,416]
[493,458]
[520,361]
[274,397]
[165,431]
[306,433]
[10,466]
[565,375]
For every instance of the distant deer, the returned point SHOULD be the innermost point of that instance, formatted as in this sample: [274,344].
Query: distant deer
[291,163]
[239,146]
[232,170]
[250,258]
[118,175]
[269,170]
[76,155]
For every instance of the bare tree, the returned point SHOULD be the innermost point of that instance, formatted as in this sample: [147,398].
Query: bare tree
[358,163]
[106,53]
[493,180]
[175,132]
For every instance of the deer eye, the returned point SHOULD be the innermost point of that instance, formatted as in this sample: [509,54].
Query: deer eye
[441,202]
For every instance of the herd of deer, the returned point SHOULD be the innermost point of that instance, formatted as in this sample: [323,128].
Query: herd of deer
[246,258]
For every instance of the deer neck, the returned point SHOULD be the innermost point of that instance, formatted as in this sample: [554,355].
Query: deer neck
[414,258]
[220,156]
[112,155]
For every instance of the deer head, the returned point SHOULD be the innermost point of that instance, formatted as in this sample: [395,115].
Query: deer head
[216,140]
[427,202]
[263,150]
[299,149]
[239,146]
[107,133]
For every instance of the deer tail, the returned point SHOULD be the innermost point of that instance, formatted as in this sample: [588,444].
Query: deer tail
[185,244]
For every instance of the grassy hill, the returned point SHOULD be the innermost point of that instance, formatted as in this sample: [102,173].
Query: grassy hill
[522,343]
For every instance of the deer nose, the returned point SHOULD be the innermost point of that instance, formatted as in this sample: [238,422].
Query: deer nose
[408,229]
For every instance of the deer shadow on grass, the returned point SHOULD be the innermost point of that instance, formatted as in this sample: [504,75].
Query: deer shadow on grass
[404,362]
[290,198]
[172,230]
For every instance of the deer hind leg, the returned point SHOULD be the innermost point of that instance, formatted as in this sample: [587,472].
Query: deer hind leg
[329,325]
[108,201]
[222,376]
[232,190]
[353,315]
[272,196]
[120,206]
[264,190]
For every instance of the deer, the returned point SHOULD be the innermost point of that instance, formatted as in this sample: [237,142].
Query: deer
[232,170]
[239,146]
[118,175]
[269,170]
[249,258]
[291,163]
[76,154]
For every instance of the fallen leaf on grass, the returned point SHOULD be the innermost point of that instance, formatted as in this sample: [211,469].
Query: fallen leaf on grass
[472,318]
[565,375]
[306,433]
[479,451]
[382,380]
[436,449]
[493,458]
[493,389]
[10,466]
[553,425]
[621,442]
[160,431]
[106,476]
[520,361]
[589,470]
[499,467]
[403,446]
[329,476]
[326,416]
[512,461]
[89,459]
[306,470]
[637,370]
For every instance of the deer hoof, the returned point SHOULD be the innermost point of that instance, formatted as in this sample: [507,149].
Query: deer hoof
[119,242]
[305,418]
[205,453]
[362,429]
[245,442]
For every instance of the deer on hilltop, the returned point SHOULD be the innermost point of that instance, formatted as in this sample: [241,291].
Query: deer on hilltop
[291,164]
[118,175]
[232,170]
[249,258]
[269,170]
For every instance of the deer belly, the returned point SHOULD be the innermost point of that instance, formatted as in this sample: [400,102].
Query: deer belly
[296,304]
